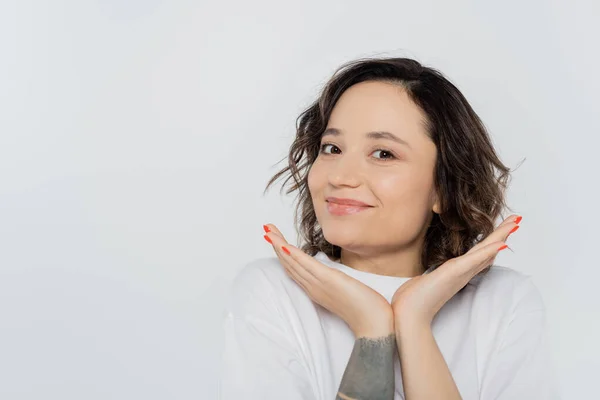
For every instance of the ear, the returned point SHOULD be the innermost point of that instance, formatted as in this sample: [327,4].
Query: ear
[436,204]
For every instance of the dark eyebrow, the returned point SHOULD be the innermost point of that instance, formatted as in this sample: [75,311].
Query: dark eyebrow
[371,135]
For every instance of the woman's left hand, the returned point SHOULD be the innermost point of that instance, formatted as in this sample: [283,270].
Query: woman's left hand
[420,298]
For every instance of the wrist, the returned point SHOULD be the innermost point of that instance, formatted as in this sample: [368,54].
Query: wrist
[409,323]
[381,327]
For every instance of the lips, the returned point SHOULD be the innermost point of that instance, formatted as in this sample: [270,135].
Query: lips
[343,206]
[347,202]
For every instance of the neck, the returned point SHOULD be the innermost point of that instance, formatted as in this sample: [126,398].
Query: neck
[403,262]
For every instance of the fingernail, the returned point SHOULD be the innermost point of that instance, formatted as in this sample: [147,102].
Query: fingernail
[502,247]
[266,228]
[285,249]
[268,239]
[518,219]
[514,229]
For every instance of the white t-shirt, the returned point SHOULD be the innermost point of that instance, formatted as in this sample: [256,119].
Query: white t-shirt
[279,344]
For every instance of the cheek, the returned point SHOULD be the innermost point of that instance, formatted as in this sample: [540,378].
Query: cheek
[395,189]
[311,179]
[316,176]
[404,185]
[314,181]
[405,198]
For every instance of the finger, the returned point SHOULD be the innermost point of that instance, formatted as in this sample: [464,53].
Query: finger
[299,275]
[270,235]
[500,233]
[313,271]
[470,264]
[309,267]
[272,228]
[289,270]
[293,273]
[278,243]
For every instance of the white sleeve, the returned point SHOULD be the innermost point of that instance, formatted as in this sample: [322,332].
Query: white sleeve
[260,360]
[522,367]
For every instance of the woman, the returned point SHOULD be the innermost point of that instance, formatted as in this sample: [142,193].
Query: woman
[392,294]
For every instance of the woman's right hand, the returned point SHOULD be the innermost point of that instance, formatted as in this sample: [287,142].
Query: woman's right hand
[367,313]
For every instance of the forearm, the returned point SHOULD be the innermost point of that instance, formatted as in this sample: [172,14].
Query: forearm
[425,374]
[369,374]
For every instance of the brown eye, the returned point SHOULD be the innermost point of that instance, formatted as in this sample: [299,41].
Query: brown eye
[390,155]
[324,145]
[387,155]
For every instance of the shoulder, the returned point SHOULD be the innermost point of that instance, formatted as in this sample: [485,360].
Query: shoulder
[260,273]
[514,289]
[257,287]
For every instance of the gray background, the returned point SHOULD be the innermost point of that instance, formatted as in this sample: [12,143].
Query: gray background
[136,138]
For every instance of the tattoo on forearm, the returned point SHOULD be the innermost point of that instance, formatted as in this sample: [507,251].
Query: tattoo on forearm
[369,374]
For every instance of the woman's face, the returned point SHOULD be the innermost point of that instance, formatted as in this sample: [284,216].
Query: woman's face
[396,178]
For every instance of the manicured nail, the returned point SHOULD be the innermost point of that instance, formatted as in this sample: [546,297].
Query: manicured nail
[266,228]
[285,249]
[268,239]
[502,247]
[514,229]
[518,219]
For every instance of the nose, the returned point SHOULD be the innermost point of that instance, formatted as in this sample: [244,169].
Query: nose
[345,171]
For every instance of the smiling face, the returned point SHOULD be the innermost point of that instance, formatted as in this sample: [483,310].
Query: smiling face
[395,177]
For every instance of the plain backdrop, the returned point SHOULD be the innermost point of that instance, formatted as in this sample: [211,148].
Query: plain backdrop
[136,138]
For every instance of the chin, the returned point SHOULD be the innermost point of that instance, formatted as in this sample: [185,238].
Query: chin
[342,236]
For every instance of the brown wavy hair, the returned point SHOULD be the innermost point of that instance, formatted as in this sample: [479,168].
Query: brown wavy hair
[469,177]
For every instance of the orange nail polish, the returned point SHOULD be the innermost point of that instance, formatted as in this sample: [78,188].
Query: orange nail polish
[502,247]
[266,228]
[519,218]
[285,249]
[514,229]
[268,239]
